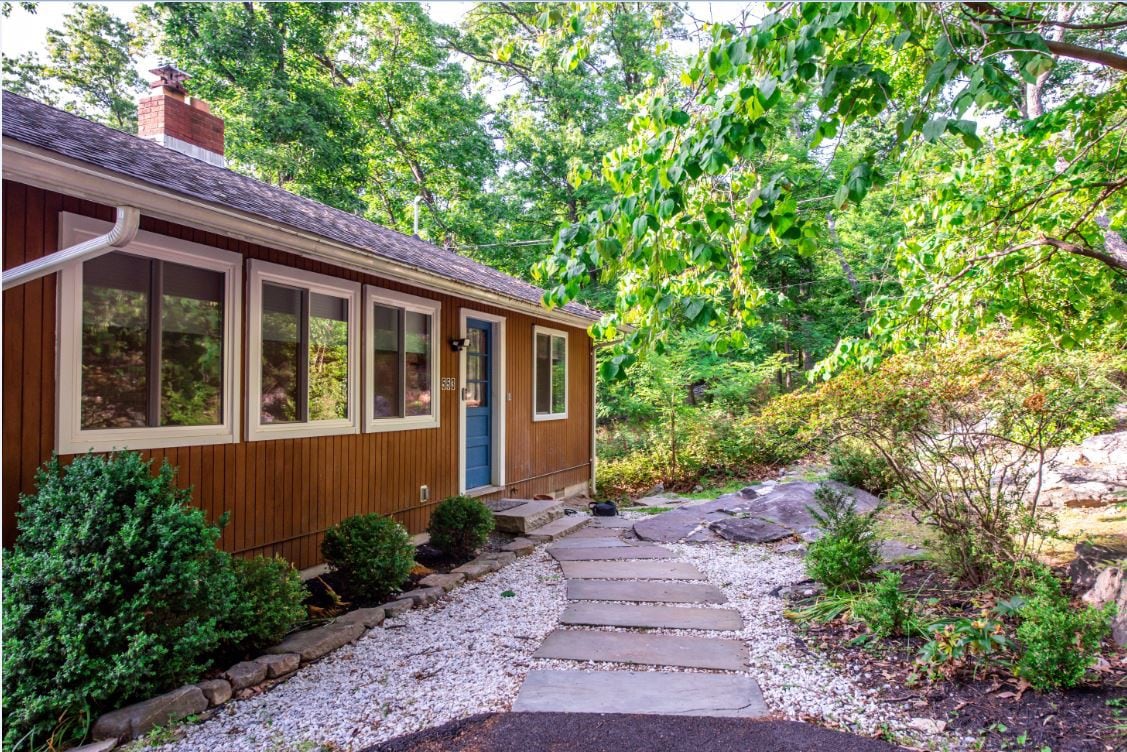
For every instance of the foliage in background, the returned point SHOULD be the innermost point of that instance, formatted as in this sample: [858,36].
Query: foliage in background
[114,591]
[372,553]
[966,429]
[268,602]
[459,526]
[848,550]
[853,464]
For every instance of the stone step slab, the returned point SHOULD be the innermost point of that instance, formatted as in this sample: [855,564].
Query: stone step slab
[617,523]
[558,528]
[591,614]
[644,649]
[570,542]
[530,515]
[641,692]
[656,569]
[644,591]
[591,531]
[611,554]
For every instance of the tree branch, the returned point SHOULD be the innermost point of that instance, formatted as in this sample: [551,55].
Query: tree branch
[1087,54]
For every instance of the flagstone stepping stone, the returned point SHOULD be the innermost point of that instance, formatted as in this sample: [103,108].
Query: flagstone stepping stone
[597,532]
[644,649]
[642,692]
[558,528]
[611,522]
[650,617]
[630,570]
[602,554]
[570,542]
[644,591]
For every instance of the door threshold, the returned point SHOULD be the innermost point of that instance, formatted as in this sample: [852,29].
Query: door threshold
[473,493]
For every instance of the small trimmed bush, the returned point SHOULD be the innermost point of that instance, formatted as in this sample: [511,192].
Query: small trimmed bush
[885,609]
[373,555]
[460,526]
[268,602]
[113,592]
[847,551]
[1058,642]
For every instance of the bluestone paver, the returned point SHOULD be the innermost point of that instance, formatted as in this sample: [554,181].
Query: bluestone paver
[604,554]
[644,649]
[657,569]
[648,591]
[595,614]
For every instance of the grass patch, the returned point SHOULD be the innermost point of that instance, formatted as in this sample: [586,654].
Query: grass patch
[649,510]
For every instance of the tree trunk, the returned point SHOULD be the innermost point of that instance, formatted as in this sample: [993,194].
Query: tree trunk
[846,269]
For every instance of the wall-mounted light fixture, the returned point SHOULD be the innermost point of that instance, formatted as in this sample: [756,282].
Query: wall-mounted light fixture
[457,345]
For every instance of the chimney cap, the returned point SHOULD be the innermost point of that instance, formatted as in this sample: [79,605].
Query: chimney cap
[169,77]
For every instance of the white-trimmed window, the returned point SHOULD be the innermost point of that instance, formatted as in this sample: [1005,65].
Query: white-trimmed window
[148,344]
[549,373]
[303,357]
[401,358]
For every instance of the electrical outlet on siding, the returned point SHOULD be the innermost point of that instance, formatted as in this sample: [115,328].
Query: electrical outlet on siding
[424,493]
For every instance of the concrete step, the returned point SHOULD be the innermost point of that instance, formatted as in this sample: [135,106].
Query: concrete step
[558,528]
[642,692]
[644,649]
[523,518]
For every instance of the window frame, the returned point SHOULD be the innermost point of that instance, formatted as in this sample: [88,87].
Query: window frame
[537,330]
[70,436]
[402,301]
[261,272]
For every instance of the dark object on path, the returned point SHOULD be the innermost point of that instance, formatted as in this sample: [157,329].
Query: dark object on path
[603,508]
[591,732]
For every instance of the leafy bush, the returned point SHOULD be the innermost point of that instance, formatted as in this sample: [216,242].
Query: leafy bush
[963,642]
[268,603]
[885,610]
[373,554]
[847,551]
[853,464]
[114,591]
[459,526]
[1058,642]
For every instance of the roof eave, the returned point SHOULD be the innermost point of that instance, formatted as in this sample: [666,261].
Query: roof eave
[49,170]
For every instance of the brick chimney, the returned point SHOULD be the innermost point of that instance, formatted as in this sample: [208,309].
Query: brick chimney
[177,121]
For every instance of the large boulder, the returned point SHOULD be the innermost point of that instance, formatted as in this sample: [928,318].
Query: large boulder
[1091,474]
[1111,587]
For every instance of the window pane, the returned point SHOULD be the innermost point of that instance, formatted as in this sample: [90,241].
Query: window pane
[328,357]
[475,394]
[191,366]
[385,362]
[559,374]
[281,350]
[543,374]
[115,338]
[417,353]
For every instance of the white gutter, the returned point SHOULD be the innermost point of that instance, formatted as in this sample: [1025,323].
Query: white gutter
[120,235]
[46,169]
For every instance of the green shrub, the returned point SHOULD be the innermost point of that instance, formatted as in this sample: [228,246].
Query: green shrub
[963,642]
[459,526]
[847,551]
[113,592]
[269,602]
[1058,642]
[373,555]
[885,610]
[855,465]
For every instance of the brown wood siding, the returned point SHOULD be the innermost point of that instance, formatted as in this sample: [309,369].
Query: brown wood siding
[282,494]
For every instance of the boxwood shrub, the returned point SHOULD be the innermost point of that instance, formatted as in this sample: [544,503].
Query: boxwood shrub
[459,526]
[113,592]
[269,604]
[373,555]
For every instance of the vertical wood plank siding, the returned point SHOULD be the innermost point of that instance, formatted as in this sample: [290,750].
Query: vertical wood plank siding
[282,494]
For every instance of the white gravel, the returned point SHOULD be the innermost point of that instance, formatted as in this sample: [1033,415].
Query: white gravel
[466,654]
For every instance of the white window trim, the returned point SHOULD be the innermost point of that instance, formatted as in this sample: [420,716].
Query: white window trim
[500,397]
[392,299]
[536,331]
[70,437]
[264,271]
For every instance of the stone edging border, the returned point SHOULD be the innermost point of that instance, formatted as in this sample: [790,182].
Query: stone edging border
[280,662]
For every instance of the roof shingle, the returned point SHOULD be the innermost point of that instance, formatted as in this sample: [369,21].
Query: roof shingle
[48,128]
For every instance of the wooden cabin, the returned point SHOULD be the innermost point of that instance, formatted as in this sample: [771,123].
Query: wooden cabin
[296,363]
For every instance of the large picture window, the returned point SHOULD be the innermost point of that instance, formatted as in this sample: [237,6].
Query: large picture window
[549,355]
[148,344]
[401,361]
[303,353]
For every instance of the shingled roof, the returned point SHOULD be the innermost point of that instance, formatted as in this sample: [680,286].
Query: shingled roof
[45,127]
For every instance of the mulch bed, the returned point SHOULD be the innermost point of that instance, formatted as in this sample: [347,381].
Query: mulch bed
[992,706]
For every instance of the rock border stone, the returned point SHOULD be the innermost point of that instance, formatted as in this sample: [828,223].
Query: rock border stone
[279,662]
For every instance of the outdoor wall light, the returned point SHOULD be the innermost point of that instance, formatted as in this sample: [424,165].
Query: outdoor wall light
[457,345]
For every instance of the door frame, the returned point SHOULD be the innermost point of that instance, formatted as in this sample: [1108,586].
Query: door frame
[499,396]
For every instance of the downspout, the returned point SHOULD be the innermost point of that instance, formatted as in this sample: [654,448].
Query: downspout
[121,234]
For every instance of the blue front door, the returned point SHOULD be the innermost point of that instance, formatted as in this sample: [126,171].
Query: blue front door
[479,407]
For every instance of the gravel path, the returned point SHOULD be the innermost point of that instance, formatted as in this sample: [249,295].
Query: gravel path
[466,654]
